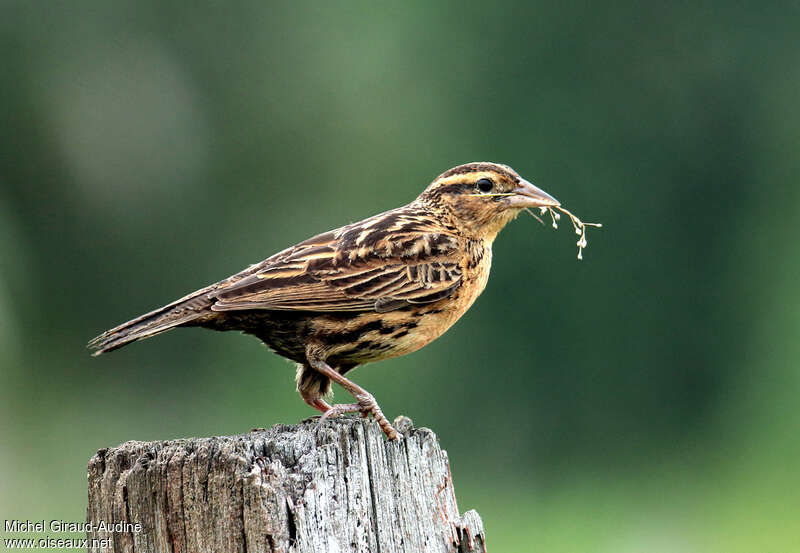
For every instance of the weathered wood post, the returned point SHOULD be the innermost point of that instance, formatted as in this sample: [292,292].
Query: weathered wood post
[339,488]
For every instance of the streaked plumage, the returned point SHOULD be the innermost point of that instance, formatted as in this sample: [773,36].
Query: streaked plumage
[371,290]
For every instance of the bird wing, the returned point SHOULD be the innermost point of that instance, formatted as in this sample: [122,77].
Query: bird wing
[380,264]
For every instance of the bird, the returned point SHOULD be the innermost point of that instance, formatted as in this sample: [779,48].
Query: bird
[371,290]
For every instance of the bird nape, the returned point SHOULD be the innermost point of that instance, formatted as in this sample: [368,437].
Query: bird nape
[371,290]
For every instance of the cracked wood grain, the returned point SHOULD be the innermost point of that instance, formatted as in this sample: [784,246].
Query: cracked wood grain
[340,488]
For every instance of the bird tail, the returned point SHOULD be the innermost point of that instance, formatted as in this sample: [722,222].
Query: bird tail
[180,312]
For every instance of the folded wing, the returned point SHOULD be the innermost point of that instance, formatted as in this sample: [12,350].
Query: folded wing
[384,263]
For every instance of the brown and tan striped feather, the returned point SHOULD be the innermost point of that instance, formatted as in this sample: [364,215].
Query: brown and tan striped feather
[382,263]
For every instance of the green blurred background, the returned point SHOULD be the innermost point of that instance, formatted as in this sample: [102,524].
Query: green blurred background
[643,399]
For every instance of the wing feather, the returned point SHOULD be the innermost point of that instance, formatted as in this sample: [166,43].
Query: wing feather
[383,263]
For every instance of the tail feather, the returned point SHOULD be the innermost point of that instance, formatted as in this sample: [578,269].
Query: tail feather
[179,312]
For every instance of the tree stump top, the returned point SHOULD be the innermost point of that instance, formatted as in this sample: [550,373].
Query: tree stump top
[339,487]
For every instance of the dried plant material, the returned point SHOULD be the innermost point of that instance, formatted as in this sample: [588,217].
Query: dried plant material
[577,224]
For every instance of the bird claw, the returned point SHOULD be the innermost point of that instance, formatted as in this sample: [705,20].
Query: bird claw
[340,409]
[366,406]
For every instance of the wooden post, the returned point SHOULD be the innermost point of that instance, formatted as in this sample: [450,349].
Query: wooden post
[336,488]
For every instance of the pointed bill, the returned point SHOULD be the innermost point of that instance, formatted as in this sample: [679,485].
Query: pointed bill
[528,195]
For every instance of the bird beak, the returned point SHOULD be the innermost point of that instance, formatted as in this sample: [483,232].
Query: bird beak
[527,195]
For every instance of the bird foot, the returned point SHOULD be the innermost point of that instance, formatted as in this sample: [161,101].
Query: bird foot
[366,406]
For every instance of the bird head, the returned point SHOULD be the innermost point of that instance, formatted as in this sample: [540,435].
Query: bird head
[483,197]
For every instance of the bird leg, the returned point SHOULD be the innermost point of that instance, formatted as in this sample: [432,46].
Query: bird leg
[313,387]
[317,403]
[365,405]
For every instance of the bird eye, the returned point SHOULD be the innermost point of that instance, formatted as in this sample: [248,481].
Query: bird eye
[485,185]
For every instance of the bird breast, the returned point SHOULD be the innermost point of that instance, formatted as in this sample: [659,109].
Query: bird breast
[435,319]
[395,333]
